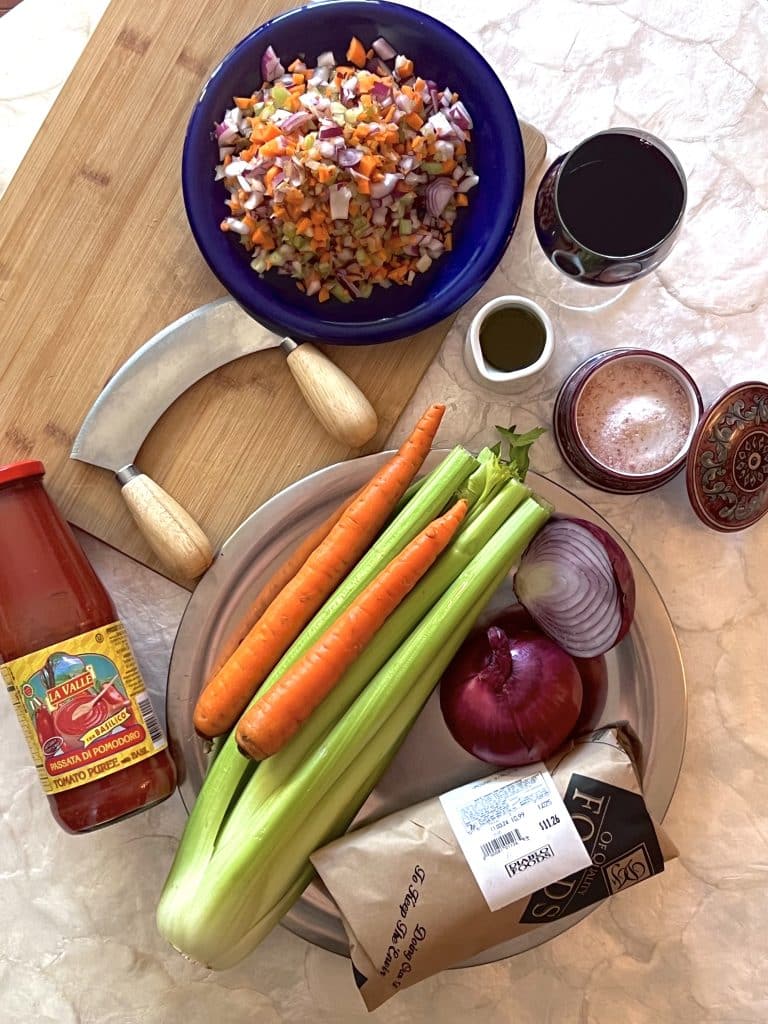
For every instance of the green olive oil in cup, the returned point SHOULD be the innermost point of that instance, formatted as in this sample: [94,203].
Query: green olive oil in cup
[509,341]
[512,338]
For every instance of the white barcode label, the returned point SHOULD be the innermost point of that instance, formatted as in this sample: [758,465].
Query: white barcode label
[154,728]
[515,833]
[501,843]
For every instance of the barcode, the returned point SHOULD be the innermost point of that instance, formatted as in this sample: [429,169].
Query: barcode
[502,842]
[150,719]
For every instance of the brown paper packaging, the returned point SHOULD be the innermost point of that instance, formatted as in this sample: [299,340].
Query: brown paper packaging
[411,906]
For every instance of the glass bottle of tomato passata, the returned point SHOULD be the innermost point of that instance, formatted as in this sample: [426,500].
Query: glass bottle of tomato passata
[98,747]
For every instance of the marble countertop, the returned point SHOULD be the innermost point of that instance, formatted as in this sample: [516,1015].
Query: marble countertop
[77,937]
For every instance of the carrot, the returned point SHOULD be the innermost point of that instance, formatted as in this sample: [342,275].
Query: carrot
[356,52]
[228,692]
[269,723]
[413,121]
[368,165]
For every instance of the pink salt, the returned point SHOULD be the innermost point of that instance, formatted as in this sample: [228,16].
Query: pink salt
[633,416]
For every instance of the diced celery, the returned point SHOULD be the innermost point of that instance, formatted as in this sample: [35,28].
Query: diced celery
[405,227]
[281,97]
[431,168]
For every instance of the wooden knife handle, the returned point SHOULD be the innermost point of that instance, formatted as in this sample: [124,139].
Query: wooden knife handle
[169,529]
[336,400]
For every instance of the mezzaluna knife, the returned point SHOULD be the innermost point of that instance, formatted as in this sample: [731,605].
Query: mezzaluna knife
[161,370]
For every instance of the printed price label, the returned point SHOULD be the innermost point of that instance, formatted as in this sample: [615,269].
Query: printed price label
[515,833]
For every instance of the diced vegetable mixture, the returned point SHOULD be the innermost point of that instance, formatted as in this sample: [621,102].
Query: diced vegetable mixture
[345,176]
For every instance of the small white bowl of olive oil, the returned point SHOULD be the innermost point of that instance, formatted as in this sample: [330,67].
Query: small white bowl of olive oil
[509,341]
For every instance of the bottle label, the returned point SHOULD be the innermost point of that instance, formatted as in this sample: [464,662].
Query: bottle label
[83,708]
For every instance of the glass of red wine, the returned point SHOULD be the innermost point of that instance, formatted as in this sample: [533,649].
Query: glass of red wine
[606,213]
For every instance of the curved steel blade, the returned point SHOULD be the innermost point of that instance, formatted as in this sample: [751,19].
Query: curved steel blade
[161,370]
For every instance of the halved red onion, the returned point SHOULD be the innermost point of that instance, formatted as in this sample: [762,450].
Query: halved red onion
[385,187]
[439,193]
[349,157]
[271,68]
[383,49]
[578,585]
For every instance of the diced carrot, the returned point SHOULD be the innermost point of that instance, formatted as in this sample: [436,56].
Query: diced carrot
[368,165]
[366,101]
[413,121]
[316,216]
[272,148]
[356,52]
[304,226]
[389,114]
[249,222]
[298,79]
[448,242]
[363,186]
[323,295]
[270,176]
[243,102]
[460,149]
[263,238]
[448,166]
[462,200]
[405,69]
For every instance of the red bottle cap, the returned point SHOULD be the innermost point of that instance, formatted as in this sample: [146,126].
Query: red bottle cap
[20,470]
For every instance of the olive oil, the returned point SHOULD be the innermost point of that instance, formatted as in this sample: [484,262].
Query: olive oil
[512,338]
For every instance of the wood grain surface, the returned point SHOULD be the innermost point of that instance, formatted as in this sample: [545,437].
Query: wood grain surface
[93,267]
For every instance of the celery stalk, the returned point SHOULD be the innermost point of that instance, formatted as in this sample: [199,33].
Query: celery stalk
[229,770]
[277,769]
[209,915]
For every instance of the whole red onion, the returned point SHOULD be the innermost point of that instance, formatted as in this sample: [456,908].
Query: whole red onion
[510,698]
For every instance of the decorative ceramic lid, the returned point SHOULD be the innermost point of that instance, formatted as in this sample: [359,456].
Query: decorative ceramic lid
[727,469]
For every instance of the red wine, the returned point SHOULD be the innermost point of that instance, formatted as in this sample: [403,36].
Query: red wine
[619,195]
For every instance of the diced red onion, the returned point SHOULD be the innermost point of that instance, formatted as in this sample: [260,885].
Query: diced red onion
[378,67]
[349,157]
[225,151]
[271,68]
[253,200]
[295,173]
[405,163]
[327,149]
[295,122]
[438,194]
[379,216]
[320,76]
[467,183]
[403,102]
[329,130]
[441,124]
[385,187]
[434,95]
[458,172]
[236,167]
[381,91]
[423,263]
[349,285]
[326,60]
[314,286]
[459,113]
[233,224]
[383,49]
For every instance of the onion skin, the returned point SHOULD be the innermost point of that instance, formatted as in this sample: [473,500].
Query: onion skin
[510,698]
[593,671]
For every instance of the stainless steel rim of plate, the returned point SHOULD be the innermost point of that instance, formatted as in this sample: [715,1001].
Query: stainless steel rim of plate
[646,679]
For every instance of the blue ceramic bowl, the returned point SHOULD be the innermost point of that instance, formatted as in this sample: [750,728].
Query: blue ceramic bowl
[482,230]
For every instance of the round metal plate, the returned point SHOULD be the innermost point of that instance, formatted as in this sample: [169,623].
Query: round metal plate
[645,674]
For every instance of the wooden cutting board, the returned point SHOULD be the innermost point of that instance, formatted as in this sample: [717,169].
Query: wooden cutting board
[96,257]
